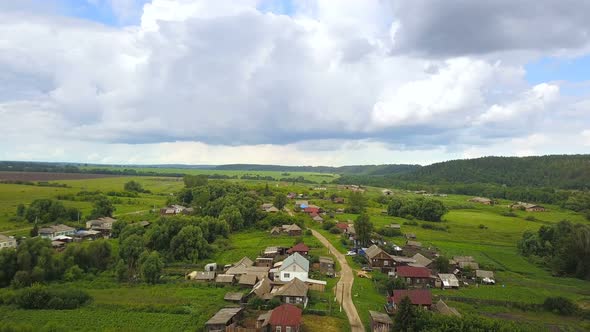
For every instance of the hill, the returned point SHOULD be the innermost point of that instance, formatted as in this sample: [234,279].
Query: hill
[355,169]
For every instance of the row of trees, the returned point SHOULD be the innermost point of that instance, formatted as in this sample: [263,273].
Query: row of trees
[563,247]
[420,208]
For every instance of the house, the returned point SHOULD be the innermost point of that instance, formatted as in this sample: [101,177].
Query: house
[528,207]
[482,200]
[104,225]
[327,266]
[403,261]
[311,209]
[210,267]
[342,226]
[294,292]
[266,206]
[273,252]
[414,276]
[248,280]
[172,210]
[291,195]
[317,218]
[7,242]
[86,235]
[57,245]
[225,279]
[410,236]
[447,280]
[396,226]
[379,259]
[299,248]
[301,204]
[294,266]
[380,322]
[262,289]
[485,277]
[442,308]
[201,276]
[224,318]
[338,200]
[292,230]
[285,318]
[414,244]
[264,261]
[233,297]
[276,231]
[387,192]
[56,230]
[419,297]
[421,260]
[340,210]
[272,209]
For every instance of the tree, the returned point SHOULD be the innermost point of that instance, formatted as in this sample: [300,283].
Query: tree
[34,231]
[231,214]
[394,206]
[189,244]
[20,210]
[103,207]
[130,250]
[133,186]
[441,264]
[405,318]
[191,181]
[280,201]
[151,267]
[431,210]
[117,228]
[8,267]
[267,191]
[363,228]
[356,202]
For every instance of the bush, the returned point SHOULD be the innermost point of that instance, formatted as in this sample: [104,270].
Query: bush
[508,214]
[41,297]
[530,218]
[560,305]
[329,224]
[335,230]
[411,223]
[308,232]
[388,231]
[482,226]
[435,227]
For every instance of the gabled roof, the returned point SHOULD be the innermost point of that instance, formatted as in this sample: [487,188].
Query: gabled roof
[420,259]
[449,279]
[296,258]
[272,209]
[294,287]
[245,261]
[342,225]
[442,308]
[470,265]
[285,315]
[484,274]
[402,259]
[225,278]
[412,272]
[318,218]
[4,238]
[413,244]
[324,259]
[248,279]
[292,227]
[223,316]
[373,251]
[379,317]
[233,296]
[417,296]
[458,259]
[299,247]
[262,288]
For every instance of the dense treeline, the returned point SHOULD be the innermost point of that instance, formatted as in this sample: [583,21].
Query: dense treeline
[420,208]
[564,247]
[357,169]
[47,210]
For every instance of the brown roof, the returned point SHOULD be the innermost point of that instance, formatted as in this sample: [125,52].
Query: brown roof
[285,315]
[294,287]
[248,279]
[412,272]
[442,308]
[421,260]
[262,288]
[223,316]
[413,243]
[379,317]
[373,251]
[471,265]
[224,278]
[417,296]
[299,247]
[484,274]
[233,296]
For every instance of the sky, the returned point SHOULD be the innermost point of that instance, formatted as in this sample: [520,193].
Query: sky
[306,82]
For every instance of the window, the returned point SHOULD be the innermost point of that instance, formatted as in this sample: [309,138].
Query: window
[385,263]
[278,329]
[288,329]
[287,275]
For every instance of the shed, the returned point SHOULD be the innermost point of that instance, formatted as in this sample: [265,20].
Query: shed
[225,279]
[233,297]
[248,280]
[448,280]
[222,319]
[380,322]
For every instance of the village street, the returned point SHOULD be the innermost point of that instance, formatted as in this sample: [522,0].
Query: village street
[345,283]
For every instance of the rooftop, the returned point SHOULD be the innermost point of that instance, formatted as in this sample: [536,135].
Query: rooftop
[285,315]
[223,316]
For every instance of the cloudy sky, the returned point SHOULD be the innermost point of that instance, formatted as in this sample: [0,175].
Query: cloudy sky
[294,82]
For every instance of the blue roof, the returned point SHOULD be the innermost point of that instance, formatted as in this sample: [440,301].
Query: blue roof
[303,206]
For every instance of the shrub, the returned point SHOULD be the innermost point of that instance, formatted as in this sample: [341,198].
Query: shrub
[41,297]
[335,230]
[560,305]
[435,227]
[508,214]
[328,224]
[388,231]
[530,218]
[482,226]
[308,232]
[411,223]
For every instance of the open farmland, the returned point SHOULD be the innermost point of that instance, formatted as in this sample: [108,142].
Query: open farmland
[47,176]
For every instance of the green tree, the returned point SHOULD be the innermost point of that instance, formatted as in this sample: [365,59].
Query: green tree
[8,266]
[103,207]
[232,215]
[364,229]
[130,251]
[280,201]
[356,202]
[151,267]
[395,204]
[191,181]
[405,318]
[20,210]
[117,228]
[441,264]
[189,244]
[431,210]
[133,186]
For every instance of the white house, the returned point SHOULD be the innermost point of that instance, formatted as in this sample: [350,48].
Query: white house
[7,242]
[294,266]
[56,230]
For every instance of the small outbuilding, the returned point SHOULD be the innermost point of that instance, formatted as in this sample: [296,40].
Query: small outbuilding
[380,322]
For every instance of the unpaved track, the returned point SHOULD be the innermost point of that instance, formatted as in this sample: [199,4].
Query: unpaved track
[346,280]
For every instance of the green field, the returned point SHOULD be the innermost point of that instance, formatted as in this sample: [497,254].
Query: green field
[311,176]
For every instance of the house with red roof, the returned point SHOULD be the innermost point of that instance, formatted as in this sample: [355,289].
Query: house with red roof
[415,276]
[419,297]
[312,209]
[285,318]
[300,248]
[342,226]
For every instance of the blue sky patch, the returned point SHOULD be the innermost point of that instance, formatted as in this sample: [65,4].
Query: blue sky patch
[558,69]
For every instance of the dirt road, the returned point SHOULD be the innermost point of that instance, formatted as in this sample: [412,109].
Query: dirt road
[344,286]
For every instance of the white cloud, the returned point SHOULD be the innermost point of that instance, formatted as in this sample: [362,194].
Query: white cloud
[221,78]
